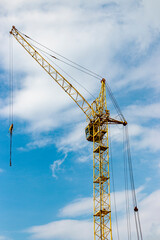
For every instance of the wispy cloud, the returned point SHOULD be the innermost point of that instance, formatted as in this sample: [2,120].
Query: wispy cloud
[84,206]
[39,143]
[141,137]
[149,216]
[143,112]
[74,139]
[79,207]
[63,229]
[55,167]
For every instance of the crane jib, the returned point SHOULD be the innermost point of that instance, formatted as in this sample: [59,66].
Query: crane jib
[65,85]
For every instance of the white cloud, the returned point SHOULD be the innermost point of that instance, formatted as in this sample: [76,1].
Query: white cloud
[40,143]
[141,137]
[84,206]
[143,112]
[74,139]
[118,23]
[143,127]
[149,208]
[150,140]
[79,207]
[147,138]
[85,158]
[63,229]
[68,229]
[142,76]
[150,217]
[55,167]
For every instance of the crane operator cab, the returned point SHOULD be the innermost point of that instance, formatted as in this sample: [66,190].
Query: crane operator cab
[89,132]
[98,132]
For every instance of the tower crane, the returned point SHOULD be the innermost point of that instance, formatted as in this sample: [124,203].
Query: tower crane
[98,117]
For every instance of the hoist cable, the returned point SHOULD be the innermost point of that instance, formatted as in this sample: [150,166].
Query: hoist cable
[11,96]
[70,76]
[136,213]
[98,76]
[64,62]
[113,184]
[85,70]
[133,187]
[114,101]
[126,179]
[10,162]
[139,223]
[10,79]
[44,53]
[107,85]
[126,189]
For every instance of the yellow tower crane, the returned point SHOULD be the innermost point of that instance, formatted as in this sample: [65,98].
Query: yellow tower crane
[98,117]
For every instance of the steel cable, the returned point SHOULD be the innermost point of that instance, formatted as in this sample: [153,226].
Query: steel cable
[98,76]
[85,70]
[11,95]
[136,213]
[126,189]
[113,184]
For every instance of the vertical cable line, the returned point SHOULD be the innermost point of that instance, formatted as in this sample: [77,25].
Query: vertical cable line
[11,94]
[12,82]
[126,152]
[126,189]
[136,213]
[10,79]
[113,185]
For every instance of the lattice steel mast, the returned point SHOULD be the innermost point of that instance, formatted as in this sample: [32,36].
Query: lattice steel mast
[96,132]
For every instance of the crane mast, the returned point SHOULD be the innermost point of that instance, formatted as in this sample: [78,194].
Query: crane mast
[96,132]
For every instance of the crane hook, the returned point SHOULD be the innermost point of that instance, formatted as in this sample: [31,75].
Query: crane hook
[11,130]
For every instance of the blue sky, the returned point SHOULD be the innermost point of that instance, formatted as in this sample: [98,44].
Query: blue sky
[47,194]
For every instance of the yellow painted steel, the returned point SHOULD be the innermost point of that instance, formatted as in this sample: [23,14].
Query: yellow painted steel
[101,178]
[96,132]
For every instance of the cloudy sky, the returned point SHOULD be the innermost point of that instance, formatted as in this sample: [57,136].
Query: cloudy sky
[47,193]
